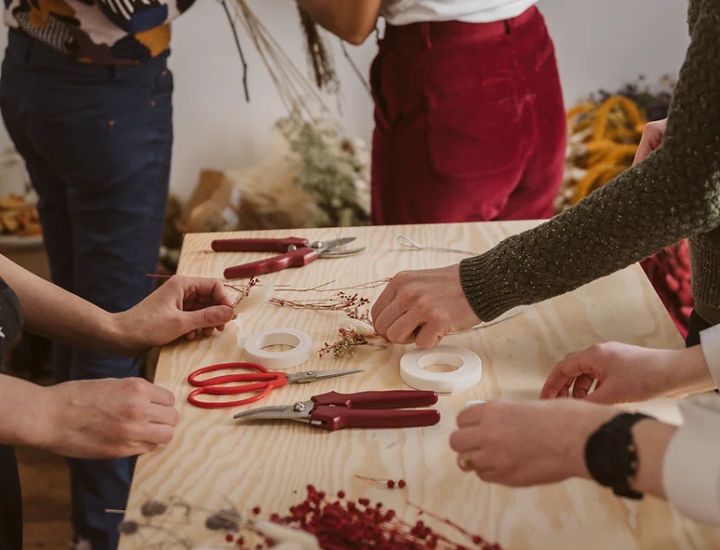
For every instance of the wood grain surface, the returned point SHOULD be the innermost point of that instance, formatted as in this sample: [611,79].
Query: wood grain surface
[213,460]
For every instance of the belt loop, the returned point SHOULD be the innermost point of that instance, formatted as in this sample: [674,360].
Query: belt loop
[507,26]
[425,32]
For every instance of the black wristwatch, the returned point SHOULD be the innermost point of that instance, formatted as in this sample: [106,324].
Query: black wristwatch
[611,457]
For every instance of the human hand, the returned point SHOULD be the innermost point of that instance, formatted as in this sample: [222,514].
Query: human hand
[106,418]
[423,306]
[651,139]
[628,374]
[180,307]
[527,443]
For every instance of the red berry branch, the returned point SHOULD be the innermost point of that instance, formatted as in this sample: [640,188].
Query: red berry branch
[335,524]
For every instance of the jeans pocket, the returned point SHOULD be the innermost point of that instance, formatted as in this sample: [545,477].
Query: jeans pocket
[91,154]
[474,131]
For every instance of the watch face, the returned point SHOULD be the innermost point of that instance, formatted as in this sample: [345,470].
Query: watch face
[608,458]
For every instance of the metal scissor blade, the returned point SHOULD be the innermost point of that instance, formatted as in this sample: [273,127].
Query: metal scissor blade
[313,375]
[337,252]
[299,411]
[322,247]
[335,373]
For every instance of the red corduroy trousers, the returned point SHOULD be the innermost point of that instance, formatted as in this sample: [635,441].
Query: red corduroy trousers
[469,122]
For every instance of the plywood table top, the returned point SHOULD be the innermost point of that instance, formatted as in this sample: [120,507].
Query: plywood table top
[213,460]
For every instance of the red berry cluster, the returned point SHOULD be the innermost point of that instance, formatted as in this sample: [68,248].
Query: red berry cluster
[389,483]
[347,525]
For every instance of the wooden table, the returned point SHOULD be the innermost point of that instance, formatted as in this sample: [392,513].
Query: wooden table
[213,460]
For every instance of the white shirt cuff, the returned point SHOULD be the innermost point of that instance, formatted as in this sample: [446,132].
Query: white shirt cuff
[710,344]
[691,468]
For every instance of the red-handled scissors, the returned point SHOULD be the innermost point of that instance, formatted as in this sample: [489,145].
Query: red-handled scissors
[262,382]
[295,252]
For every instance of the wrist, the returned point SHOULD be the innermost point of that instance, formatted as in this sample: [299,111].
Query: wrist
[43,420]
[651,439]
[595,417]
[121,334]
[686,372]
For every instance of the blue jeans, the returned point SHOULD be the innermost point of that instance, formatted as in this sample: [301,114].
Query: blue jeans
[97,143]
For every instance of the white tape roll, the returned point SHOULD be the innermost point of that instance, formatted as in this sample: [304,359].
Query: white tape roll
[468,373]
[278,360]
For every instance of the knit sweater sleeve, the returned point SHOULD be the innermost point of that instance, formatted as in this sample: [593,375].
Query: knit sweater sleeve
[672,195]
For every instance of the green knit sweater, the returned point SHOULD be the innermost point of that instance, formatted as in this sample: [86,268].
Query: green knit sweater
[672,195]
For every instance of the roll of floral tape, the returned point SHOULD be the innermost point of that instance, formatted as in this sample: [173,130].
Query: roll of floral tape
[255,351]
[468,369]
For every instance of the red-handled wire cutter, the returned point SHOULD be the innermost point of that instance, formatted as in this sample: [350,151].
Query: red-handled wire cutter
[376,409]
[295,252]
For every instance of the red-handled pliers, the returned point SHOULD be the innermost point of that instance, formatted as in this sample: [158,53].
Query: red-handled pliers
[375,409]
[295,252]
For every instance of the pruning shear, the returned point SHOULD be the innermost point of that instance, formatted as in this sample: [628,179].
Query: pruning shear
[376,409]
[296,252]
[262,381]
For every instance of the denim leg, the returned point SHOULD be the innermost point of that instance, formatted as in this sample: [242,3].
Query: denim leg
[97,142]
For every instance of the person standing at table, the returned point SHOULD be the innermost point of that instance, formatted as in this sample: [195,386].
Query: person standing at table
[86,97]
[469,114]
[671,193]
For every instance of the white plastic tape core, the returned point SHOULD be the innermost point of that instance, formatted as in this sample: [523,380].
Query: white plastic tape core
[468,373]
[299,341]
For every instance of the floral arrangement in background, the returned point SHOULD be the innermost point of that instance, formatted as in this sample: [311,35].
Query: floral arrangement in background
[333,169]
[604,132]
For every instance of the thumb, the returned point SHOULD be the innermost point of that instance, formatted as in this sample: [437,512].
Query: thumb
[213,316]
[603,395]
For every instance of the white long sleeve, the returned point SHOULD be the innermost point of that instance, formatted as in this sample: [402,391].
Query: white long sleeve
[691,468]
[710,342]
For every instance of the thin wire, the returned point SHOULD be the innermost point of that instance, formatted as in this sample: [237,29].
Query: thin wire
[407,242]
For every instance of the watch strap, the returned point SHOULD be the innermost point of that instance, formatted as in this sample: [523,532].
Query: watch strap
[621,428]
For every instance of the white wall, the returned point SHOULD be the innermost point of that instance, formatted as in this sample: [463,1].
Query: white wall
[599,43]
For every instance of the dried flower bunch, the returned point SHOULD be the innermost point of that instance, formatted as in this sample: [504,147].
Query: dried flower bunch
[342,301]
[319,522]
[332,169]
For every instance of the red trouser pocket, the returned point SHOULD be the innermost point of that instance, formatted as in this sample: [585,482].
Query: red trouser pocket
[474,130]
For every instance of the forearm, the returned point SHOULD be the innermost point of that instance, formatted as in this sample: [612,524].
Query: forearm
[352,21]
[59,315]
[673,194]
[22,424]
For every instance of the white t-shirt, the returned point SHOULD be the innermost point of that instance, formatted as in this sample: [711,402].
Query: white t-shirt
[404,12]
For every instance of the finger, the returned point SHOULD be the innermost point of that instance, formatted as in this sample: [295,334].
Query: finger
[382,302]
[403,329]
[207,317]
[471,416]
[190,335]
[562,376]
[163,414]
[429,336]
[582,386]
[157,434]
[466,439]
[220,328]
[160,396]
[389,316]
[208,332]
[134,449]
[208,291]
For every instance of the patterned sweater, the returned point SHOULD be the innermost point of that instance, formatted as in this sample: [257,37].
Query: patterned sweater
[672,195]
[103,32]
